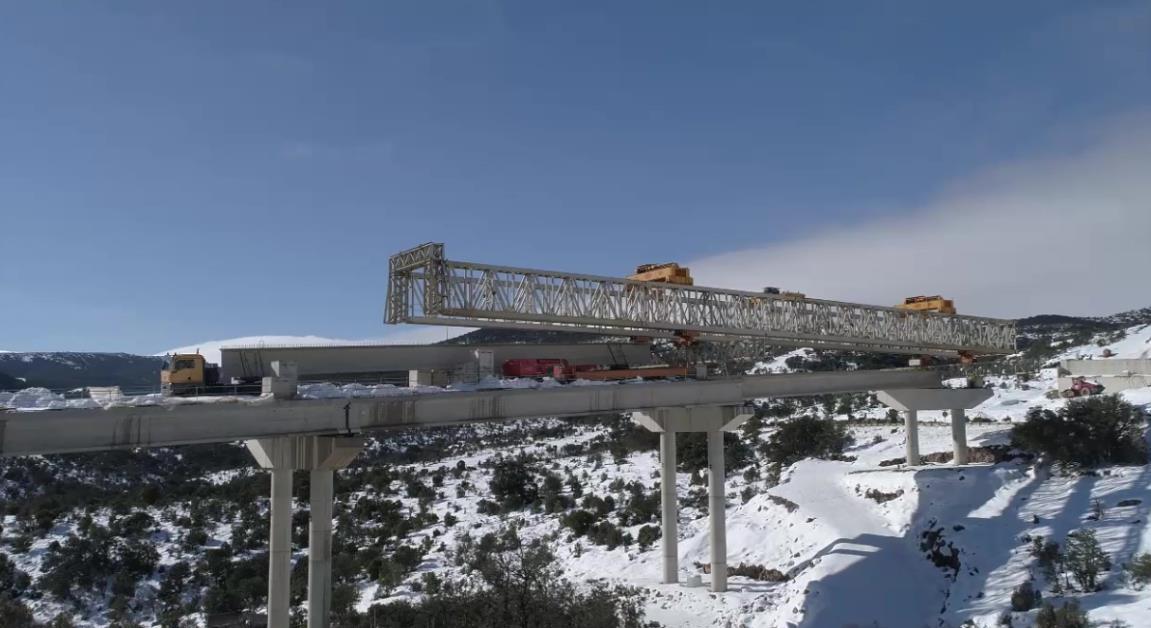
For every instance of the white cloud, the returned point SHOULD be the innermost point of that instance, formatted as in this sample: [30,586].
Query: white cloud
[1068,233]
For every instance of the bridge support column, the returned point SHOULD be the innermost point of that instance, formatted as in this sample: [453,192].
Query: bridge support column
[280,548]
[714,420]
[717,511]
[911,400]
[911,425]
[669,534]
[320,549]
[320,455]
[959,436]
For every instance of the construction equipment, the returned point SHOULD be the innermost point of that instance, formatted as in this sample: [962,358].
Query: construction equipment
[187,374]
[934,303]
[663,273]
[425,287]
[1081,387]
[784,294]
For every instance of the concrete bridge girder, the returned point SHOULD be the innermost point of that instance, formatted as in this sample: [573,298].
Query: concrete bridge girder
[74,430]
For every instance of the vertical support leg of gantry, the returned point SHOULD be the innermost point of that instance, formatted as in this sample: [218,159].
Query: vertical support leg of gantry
[280,547]
[959,435]
[717,511]
[911,421]
[670,507]
[320,549]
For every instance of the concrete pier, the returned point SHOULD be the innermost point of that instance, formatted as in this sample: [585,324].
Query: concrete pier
[714,420]
[320,549]
[669,522]
[280,548]
[321,455]
[959,435]
[956,400]
[717,511]
[911,426]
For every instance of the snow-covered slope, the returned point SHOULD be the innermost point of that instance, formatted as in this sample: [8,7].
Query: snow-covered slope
[1135,343]
[862,541]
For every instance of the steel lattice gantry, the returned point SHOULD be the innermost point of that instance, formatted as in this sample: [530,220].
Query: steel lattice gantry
[425,287]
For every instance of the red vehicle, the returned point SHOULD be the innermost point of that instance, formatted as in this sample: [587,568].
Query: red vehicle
[1080,387]
[526,367]
[562,371]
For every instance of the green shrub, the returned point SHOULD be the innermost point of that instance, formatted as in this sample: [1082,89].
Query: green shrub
[579,521]
[1025,597]
[1070,615]
[518,584]
[607,534]
[648,535]
[806,437]
[1139,571]
[691,451]
[513,485]
[1048,553]
[13,614]
[1089,431]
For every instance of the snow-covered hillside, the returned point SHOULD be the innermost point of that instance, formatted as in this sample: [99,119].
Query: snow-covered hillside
[857,541]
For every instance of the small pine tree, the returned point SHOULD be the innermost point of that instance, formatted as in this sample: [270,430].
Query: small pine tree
[1085,559]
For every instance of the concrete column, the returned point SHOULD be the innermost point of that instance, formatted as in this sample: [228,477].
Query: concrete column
[717,511]
[959,435]
[280,548]
[320,550]
[670,531]
[911,421]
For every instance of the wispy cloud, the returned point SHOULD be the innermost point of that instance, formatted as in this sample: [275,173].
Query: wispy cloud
[1068,232]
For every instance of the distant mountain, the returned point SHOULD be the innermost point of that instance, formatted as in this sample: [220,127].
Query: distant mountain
[7,382]
[64,370]
[1057,323]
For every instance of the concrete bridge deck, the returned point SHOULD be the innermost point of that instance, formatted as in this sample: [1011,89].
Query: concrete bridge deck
[61,431]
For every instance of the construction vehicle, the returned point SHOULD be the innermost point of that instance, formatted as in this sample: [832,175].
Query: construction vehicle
[663,273]
[934,303]
[1080,387]
[784,293]
[185,374]
[562,371]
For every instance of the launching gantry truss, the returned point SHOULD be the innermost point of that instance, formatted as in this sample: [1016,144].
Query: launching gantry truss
[424,287]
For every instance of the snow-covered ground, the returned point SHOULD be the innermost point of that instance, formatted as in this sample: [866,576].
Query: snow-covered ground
[1136,344]
[850,535]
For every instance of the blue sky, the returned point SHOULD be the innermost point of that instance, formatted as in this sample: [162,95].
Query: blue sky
[176,172]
